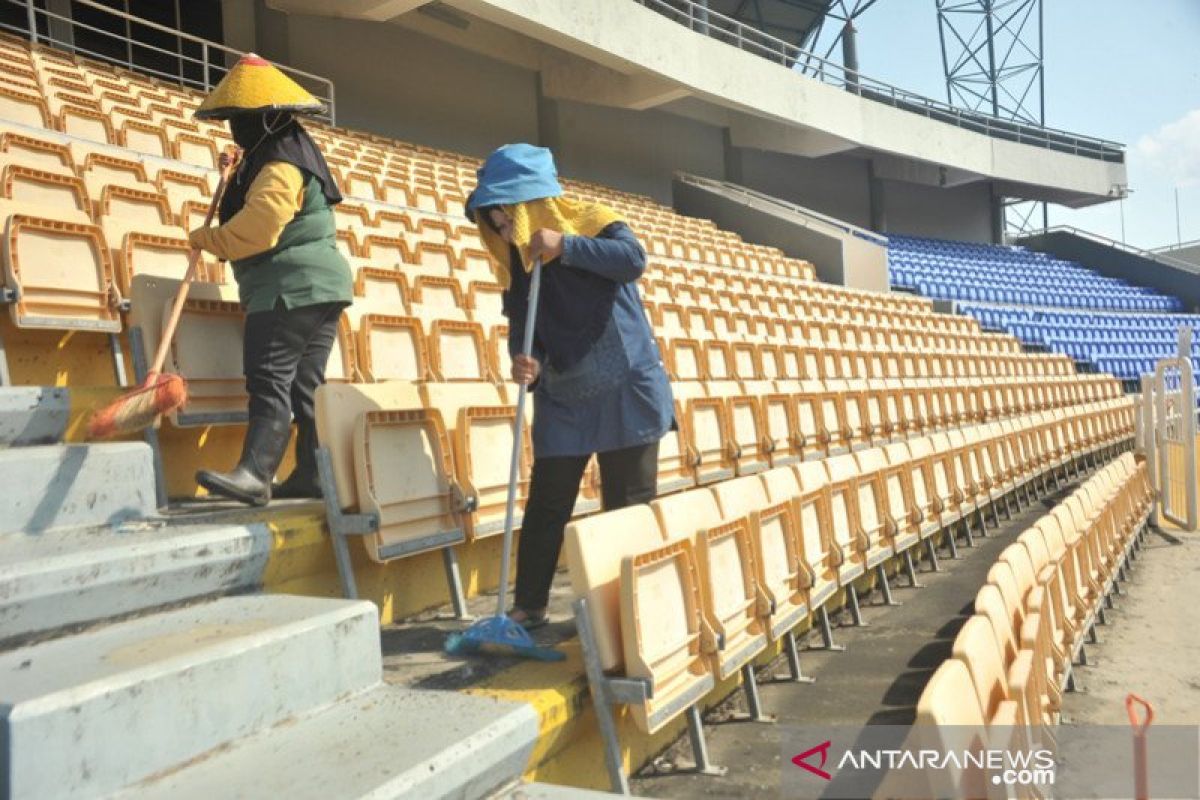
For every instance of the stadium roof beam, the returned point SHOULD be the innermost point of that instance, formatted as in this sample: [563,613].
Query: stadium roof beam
[568,78]
[374,10]
[758,134]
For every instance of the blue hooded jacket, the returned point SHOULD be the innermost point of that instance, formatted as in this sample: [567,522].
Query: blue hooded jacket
[514,173]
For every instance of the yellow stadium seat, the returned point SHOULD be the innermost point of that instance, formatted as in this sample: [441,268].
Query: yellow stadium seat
[36,153]
[458,352]
[391,348]
[728,575]
[382,286]
[24,107]
[704,421]
[949,719]
[207,348]
[480,426]
[664,636]
[783,576]
[181,187]
[59,273]
[414,496]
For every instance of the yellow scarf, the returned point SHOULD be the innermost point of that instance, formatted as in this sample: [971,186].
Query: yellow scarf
[569,217]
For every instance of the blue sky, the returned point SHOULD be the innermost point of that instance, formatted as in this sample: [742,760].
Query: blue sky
[1115,69]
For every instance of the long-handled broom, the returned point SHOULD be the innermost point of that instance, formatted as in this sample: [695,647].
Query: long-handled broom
[158,394]
[499,635]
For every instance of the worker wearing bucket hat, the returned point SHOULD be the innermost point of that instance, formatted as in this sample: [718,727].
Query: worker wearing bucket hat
[598,382]
[277,230]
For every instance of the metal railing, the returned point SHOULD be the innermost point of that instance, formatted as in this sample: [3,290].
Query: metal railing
[1180,245]
[1167,428]
[752,40]
[752,194]
[43,26]
[1152,255]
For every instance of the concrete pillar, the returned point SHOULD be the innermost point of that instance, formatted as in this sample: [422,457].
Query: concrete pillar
[238,25]
[732,159]
[997,217]
[877,197]
[850,55]
[271,38]
[548,127]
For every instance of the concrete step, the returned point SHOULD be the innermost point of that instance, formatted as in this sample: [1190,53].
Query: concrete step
[55,580]
[389,742]
[32,415]
[89,714]
[75,486]
[549,791]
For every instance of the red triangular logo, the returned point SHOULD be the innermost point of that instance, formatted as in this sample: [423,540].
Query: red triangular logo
[802,762]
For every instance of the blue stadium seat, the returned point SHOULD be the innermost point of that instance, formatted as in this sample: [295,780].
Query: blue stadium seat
[1061,304]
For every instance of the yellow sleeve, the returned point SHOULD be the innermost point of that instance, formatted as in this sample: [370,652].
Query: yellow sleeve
[272,201]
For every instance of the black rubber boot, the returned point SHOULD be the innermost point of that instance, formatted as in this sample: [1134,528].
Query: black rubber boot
[250,480]
[302,483]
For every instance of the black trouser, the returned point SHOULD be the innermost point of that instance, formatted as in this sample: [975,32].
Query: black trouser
[284,356]
[627,477]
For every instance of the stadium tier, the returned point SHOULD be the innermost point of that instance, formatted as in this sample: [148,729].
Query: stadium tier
[1011,276]
[1125,345]
[1007,275]
[1112,326]
[827,437]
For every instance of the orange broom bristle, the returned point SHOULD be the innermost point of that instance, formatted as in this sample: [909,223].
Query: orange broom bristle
[131,412]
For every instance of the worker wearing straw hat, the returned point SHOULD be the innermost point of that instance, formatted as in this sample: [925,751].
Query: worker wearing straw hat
[599,386]
[277,230]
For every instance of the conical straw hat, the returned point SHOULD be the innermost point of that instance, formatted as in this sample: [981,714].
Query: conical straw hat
[255,85]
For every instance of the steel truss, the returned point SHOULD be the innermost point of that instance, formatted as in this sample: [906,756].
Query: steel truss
[992,57]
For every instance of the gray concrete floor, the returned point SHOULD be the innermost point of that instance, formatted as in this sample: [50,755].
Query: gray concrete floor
[413,650]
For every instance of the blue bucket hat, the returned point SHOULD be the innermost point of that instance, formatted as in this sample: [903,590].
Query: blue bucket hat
[514,173]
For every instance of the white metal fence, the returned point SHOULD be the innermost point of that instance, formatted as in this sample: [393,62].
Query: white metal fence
[1167,435]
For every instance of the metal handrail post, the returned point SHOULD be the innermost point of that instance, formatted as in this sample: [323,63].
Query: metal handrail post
[1150,428]
[1187,409]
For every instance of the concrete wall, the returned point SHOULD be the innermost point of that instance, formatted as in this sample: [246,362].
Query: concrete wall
[838,255]
[1188,253]
[638,151]
[403,82]
[400,83]
[1116,263]
[961,212]
[835,185]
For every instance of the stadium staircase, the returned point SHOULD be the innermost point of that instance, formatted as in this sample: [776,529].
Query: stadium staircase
[193,650]
[138,657]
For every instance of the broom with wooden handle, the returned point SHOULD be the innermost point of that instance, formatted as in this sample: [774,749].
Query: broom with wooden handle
[158,394]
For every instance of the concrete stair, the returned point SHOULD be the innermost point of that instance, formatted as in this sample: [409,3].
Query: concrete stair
[548,791]
[57,579]
[31,415]
[134,663]
[59,486]
[91,713]
[384,743]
